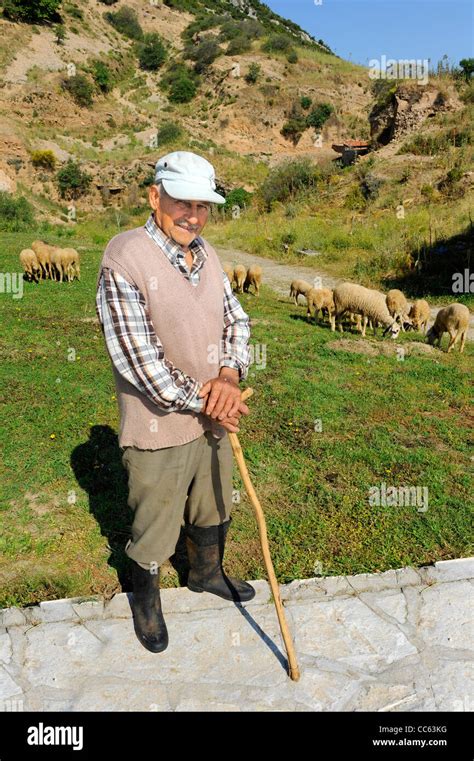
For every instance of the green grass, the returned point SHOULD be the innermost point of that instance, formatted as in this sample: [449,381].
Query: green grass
[63,490]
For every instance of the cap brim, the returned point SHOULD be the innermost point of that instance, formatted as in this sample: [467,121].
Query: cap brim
[187,191]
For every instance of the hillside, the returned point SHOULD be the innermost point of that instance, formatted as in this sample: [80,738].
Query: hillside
[111,137]
[224,83]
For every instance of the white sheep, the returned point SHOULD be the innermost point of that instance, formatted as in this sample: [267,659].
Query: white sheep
[30,264]
[254,277]
[397,305]
[298,287]
[419,314]
[370,304]
[455,320]
[320,299]
[240,273]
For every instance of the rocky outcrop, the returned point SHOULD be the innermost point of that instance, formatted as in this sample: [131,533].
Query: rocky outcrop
[404,110]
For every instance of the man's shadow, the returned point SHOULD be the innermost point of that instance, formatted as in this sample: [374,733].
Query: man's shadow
[97,465]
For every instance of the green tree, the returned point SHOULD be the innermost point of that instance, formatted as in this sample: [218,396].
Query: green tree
[102,76]
[253,73]
[32,11]
[80,88]
[319,115]
[467,65]
[152,52]
[125,21]
[182,90]
[15,213]
[72,181]
[59,33]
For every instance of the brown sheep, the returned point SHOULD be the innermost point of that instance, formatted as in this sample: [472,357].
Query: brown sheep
[240,273]
[229,271]
[43,253]
[71,261]
[320,299]
[419,315]
[298,287]
[254,277]
[30,264]
[397,305]
[455,320]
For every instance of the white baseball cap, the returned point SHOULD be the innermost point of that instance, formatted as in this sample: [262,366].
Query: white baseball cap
[187,177]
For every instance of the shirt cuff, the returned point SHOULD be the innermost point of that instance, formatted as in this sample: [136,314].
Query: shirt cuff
[235,366]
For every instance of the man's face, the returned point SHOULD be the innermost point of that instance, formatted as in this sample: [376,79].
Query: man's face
[180,220]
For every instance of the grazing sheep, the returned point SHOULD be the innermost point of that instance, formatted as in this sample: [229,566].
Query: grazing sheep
[59,263]
[298,287]
[397,305]
[240,273]
[419,315]
[30,264]
[71,263]
[371,304]
[229,271]
[320,299]
[43,254]
[455,320]
[254,277]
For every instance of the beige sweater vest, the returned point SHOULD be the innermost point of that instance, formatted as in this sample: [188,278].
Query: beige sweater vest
[189,322]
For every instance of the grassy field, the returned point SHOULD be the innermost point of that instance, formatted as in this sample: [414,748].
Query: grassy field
[63,490]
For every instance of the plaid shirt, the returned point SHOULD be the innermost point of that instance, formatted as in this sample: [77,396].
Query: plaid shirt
[134,347]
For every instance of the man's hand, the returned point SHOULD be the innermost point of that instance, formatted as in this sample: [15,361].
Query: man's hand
[222,398]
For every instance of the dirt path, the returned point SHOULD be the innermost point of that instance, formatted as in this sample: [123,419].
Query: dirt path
[279,276]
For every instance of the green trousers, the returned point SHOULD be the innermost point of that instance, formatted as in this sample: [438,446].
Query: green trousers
[191,483]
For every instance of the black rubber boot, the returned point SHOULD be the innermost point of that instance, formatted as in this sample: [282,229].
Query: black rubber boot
[205,551]
[150,626]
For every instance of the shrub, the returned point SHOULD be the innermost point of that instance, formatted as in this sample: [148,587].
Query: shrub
[305,102]
[15,213]
[59,33]
[169,132]
[277,43]
[370,186]
[44,159]
[74,11]
[102,76]
[125,21]
[152,52]
[354,199]
[237,197]
[287,180]
[239,45]
[203,54]
[292,57]
[109,2]
[182,90]
[80,88]
[288,239]
[293,129]
[319,115]
[32,11]
[72,181]
[253,73]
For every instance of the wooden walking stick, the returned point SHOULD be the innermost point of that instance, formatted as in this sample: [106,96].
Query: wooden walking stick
[262,527]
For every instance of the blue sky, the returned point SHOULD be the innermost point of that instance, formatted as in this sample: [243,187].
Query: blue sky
[359,30]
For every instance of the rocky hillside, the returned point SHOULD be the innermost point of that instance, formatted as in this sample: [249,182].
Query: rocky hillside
[253,80]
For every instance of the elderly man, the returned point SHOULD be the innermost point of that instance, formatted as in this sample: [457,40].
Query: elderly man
[178,341]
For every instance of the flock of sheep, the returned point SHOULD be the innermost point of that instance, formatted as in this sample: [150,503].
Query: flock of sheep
[243,278]
[390,311]
[43,261]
